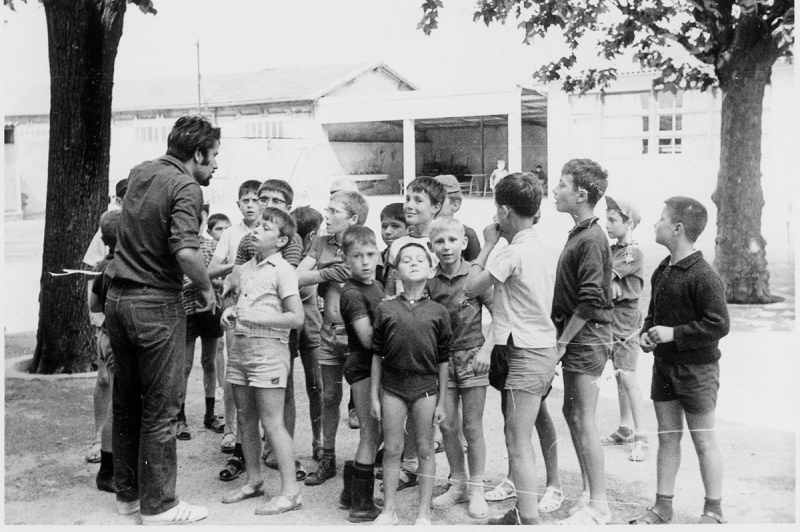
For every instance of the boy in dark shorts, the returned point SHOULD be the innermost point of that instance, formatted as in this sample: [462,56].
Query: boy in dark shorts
[686,319]
[627,281]
[411,347]
[582,314]
[360,296]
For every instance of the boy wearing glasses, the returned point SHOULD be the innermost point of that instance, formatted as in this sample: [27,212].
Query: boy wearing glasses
[324,266]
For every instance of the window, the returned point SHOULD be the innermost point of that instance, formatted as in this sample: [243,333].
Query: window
[264,129]
[643,123]
[669,146]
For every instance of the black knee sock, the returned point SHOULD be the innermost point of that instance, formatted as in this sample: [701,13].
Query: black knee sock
[209,407]
[106,464]
[713,505]
[238,453]
[363,471]
[664,504]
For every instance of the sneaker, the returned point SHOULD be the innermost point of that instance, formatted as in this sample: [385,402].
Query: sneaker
[181,514]
[352,420]
[127,508]
[326,470]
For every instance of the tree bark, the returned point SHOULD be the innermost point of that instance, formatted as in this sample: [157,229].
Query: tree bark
[740,248]
[83,36]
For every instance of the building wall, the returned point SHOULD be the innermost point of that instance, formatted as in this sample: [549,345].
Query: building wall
[26,168]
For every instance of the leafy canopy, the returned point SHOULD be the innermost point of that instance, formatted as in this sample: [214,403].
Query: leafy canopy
[718,38]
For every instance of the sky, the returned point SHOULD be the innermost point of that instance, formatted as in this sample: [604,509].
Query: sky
[248,35]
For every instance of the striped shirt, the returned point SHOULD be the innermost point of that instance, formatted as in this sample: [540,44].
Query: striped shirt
[264,286]
[191,296]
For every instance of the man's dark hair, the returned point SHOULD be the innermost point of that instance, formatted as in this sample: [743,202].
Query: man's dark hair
[308,219]
[250,186]
[690,213]
[357,235]
[216,218]
[109,223]
[394,211]
[189,134]
[280,186]
[588,175]
[521,192]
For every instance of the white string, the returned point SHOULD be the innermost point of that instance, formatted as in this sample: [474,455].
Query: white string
[71,272]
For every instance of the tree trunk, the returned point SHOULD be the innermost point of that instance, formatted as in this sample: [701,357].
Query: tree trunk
[740,249]
[83,36]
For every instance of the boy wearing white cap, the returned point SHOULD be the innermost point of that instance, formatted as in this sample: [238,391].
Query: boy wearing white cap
[450,207]
[627,281]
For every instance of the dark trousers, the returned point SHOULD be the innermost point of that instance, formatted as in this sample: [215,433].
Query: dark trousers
[147,327]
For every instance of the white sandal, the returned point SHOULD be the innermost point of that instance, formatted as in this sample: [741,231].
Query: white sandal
[551,500]
[505,490]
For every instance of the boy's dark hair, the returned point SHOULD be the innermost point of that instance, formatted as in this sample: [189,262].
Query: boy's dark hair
[394,211]
[249,186]
[286,224]
[690,213]
[588,175]
[308,219]
[429,186]
[354,203]
[189,134]
[357,235]
[280,186]
[521,192]
[214,219]
[109,223]
[412,244]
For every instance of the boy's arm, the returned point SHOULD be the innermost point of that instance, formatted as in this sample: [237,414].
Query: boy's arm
[645,342]
[193,266]
[291,318]
[363,329]
[479,280]
[304,271]
[439,414]
[217,267]
[94,300]
[575,324]
[375,386]
[591,283]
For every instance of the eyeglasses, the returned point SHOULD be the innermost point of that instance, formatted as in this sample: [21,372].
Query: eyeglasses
[267,200]
[330,211]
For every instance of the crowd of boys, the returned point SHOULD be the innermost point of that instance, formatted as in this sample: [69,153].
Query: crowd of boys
[403,327]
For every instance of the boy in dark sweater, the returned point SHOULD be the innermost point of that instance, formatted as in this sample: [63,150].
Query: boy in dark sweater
[686,318]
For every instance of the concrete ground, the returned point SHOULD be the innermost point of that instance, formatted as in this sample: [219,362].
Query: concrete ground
[48,422]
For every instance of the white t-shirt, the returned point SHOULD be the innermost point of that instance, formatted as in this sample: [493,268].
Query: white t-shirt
[523,298]
[229,242]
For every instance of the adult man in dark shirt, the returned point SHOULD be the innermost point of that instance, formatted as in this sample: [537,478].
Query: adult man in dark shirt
[157,242]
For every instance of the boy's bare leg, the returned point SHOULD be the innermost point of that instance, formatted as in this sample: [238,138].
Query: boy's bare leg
[208,350]
[452,446]
[581,392]
[474,401]
[670,431]
[231,419]
[369,430]
[271,412]
[246,402]
[331,402]
[422,412]
[102,405]
[313,380]
[634,400]
[548,439]
[625,417]
[701,427]
[393,415]
[522,409]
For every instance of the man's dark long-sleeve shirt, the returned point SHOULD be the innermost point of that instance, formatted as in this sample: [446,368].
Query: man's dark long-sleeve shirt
[690,297]
[583,278]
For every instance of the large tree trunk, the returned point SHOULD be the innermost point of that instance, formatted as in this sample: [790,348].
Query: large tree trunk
[83,36]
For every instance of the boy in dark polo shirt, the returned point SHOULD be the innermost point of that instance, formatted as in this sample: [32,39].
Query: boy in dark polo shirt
[582,314]
[686,318]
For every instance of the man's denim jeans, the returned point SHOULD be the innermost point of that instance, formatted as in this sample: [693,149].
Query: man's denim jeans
[147,327]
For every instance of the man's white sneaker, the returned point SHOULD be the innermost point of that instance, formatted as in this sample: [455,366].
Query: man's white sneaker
[181,514]
[127,508]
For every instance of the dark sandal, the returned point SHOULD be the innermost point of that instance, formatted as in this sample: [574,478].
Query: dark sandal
[410,483]
[182,432]
[713,518]
[651,517]
[233,469]
[300,473]
[215,424]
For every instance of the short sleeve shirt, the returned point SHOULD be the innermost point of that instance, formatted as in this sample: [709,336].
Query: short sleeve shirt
[359,300]
[465,308]
[628,270]
[229,242]
[264,286]
[523,296]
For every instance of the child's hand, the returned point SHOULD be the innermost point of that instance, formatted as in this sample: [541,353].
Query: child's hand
[482,361]
[228,318]
[661,334]
[209,299]
[616,290]
[561,347]
[491,234]
[376,409]
[438,414]
[646,344]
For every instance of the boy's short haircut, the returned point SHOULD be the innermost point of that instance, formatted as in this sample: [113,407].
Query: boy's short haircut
[443,224]
[689,212]
[354,203]
[357,235]
[189,134]
[280,186]
[412,244]
[308,219]
[109,223]
[429,186]
[121,188]
[588,175]
[249,187]
[286,224]
[214,219]
[521,192]
[394,211]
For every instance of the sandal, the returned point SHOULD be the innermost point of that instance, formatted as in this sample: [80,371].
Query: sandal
[407,480]
[587,516]
[504,490]
[228,443]
[234,467]
[300,472]
[439,447]
[651,516]
[711,518]
[93,455]
[182,432]
[245,492]
[583,500]
[215,424]
[615,438]
[640,450]
[551,500]
[281,503]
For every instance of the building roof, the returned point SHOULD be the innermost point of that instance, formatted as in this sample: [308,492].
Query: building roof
[265,86]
